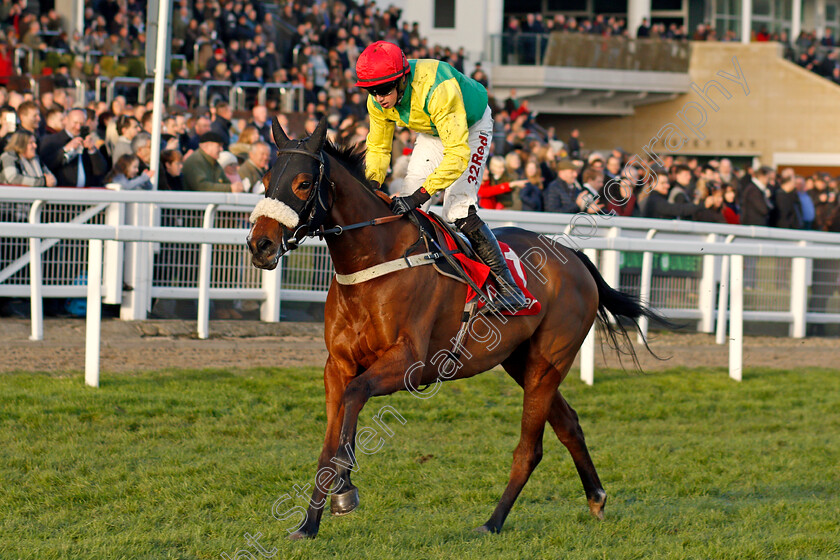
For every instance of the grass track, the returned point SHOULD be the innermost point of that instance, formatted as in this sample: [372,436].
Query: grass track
[181,464]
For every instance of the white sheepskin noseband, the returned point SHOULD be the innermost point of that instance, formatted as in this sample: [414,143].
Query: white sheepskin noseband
[277,211]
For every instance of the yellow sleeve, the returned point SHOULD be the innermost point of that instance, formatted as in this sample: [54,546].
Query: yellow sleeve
[380,139]
[447,113]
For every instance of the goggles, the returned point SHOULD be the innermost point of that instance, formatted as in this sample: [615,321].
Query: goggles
[382,90]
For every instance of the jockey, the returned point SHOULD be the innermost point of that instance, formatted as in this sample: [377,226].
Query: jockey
[449,112]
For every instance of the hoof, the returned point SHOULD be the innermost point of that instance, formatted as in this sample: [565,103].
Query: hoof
[300,535]
[597,503]
[344,503]
[486,529]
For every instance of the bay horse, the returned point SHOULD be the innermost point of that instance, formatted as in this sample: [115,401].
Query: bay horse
[382,334]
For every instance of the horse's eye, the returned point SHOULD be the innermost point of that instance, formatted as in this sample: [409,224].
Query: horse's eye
[305,185]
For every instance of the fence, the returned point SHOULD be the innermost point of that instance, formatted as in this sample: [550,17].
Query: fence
[288,95]
[688,270]
[582,50]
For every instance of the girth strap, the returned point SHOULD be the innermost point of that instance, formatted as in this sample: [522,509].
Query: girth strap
[386,268]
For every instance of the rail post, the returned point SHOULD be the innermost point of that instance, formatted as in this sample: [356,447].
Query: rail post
[723,297]
[707,290]
[93,322]
[736,318]
[205,261]
[799,294]
[36,277]
[645,287]
[114,251]
[587,349]
[271,284]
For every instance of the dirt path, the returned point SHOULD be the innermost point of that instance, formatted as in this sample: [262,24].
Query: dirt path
[148,345]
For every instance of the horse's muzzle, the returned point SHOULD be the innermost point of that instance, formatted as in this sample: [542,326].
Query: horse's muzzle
[265,253]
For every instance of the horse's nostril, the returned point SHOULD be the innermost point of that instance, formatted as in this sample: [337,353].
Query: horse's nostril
[263,245]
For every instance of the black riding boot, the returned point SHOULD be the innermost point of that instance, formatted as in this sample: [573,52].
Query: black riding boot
[510,297]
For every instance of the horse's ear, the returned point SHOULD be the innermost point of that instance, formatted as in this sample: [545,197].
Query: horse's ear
[280,137]
[316,141]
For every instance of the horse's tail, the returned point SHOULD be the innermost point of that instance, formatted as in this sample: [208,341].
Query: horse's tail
[619,304]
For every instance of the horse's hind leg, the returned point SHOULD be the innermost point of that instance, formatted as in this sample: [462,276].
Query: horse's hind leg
[540,384]
[564,420]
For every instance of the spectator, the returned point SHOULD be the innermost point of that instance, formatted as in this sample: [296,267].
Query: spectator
[657,205]
[201,126]
[259,119]
[496,190]
[574,145]
[755,198]
[613,168]
[255,167]
[202,171]
[683,188]
[8,125]
[726,172]
[806,203]
[30,117]
[532,193]
[561,194]
[221,122]
[242,147]
[618,194]
[21,165]
[170,178]
[126,173]
[643,30]
[54,121]
[71,154]
[513,166]
[588,199]
[731,211]
[127,128]
[230,165]
[787,211]
[141,146]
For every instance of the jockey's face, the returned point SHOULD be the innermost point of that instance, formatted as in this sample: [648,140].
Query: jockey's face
[387,101]
[385,95]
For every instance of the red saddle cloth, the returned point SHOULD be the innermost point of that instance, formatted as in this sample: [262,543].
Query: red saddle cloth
[480,274]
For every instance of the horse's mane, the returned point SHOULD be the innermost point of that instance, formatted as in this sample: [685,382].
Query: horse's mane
[352,157]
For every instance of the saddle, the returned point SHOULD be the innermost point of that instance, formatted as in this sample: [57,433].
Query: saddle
[457,245]
[446,236]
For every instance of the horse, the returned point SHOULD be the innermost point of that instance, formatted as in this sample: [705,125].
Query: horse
[379,341]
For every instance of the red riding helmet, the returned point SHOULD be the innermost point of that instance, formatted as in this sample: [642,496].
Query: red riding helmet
[380,63]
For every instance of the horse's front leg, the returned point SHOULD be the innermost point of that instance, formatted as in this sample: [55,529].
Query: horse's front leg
[384,377]
[336,377]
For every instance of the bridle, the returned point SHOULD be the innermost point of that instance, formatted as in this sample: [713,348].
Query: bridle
[319,207]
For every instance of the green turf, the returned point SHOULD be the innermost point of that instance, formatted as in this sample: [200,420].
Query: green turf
[181,464]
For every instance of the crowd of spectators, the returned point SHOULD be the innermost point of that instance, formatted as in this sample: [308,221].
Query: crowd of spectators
[548,177]
[819,55]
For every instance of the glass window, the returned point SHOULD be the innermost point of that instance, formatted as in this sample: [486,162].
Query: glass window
[562,5]
[610,6]
[726,24]
[656,5]
[784,10]
[444,14]
[762,7]
[831,13]
[729,7]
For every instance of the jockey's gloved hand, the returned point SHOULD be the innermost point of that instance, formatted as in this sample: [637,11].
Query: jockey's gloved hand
[403,204]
